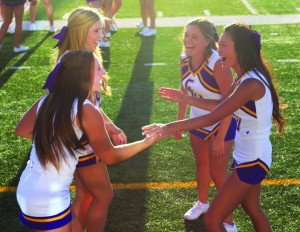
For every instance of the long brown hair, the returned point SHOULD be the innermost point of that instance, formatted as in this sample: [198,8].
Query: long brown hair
[247,46]
[53,130]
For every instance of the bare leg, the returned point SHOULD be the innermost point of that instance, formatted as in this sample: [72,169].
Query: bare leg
[100,188]
[151,13]
[252,207]
[232,193]
[9,12]
[143,4]
[219,167]
[32,10]
[19,12]
[49,11]
[200,149]
[116,6]
[81,203]
[107,13]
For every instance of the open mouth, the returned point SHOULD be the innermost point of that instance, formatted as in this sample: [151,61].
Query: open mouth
[223,58]
[188,47]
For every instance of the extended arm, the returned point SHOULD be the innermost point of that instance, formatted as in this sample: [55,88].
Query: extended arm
[94,127]
[249,90]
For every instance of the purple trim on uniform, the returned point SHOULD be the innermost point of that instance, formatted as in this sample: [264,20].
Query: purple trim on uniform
[208,81]
[43,223]
[184,69]
[13,3]
[249,108]
[230,135]
[86,160]
[252,172]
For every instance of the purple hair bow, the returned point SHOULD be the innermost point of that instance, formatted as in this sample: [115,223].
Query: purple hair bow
[52,78]
[257,37]
[60,36]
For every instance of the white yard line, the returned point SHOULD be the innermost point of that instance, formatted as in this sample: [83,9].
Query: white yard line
[249,7]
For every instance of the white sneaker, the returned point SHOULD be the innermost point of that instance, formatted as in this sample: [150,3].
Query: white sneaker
[140,25]
[52,29]
[113,26]
[21,49]
[230,228]
[195,212]
[104,43]
[11,30]
[149,32]
[144,29]
[32,27]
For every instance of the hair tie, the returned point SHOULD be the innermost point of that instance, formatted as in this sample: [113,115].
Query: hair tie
[52,78]
[60,36]
[215,33]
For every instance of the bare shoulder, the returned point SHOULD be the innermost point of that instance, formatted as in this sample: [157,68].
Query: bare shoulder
[253,87]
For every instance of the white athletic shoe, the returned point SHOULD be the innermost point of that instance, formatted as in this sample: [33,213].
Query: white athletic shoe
[20,49]
[11,30]
[143,30]
[104,43]
[32,27]
[148,32]
[230,228]
[107,35]
[113,26]
[195,212]
[140,25]
[52,29]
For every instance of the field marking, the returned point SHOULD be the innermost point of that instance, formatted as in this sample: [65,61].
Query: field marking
[20,67]
[168,185]
[288,61]
[154,64]
[249,7]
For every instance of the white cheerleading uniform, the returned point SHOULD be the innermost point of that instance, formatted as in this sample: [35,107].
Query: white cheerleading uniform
[43,193]
[252,141]
[201,83]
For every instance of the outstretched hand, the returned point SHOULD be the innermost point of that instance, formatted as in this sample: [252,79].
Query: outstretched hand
[156,129]
[169,94]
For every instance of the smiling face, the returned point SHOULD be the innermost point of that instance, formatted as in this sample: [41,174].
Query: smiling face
[227,51]
[194,41]
[98,73]
[93,36]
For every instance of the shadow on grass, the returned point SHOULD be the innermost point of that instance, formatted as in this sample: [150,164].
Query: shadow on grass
[9,208]
[127,211]
[7,56]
